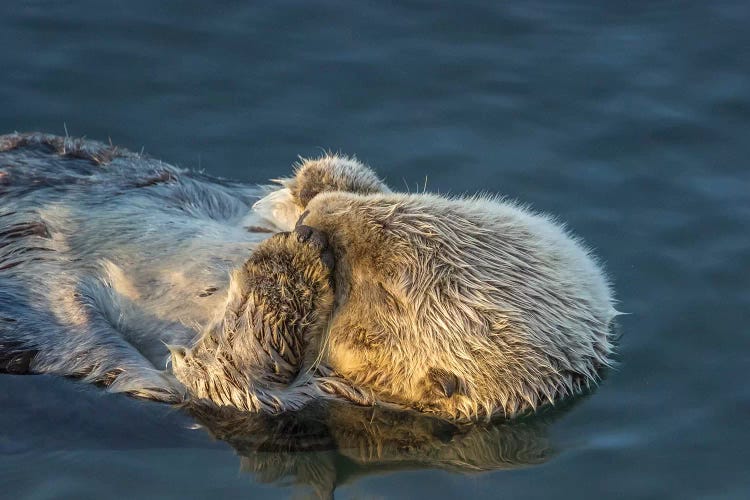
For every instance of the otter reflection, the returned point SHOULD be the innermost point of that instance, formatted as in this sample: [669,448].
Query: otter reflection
[325,445]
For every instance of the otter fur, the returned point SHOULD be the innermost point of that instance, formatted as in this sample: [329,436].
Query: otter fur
[112,264]
[108,255]
[460,306]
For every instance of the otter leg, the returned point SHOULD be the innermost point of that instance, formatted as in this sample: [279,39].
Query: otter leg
[97,356]
[279,305]
[290,278]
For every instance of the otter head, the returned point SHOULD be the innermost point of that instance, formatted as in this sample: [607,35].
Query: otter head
[400,308]
[392,282]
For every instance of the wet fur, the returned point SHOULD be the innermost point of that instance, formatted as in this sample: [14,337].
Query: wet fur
[460,307]
[464,307]
[106,255]
[260,354]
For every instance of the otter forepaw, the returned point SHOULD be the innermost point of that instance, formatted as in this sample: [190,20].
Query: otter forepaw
[318,240]
[298,263]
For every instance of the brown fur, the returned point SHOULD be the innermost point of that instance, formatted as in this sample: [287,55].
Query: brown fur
[460,307]
[463,307]
[279,304]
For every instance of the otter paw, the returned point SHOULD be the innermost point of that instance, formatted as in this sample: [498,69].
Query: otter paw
[298,263]
[318,240]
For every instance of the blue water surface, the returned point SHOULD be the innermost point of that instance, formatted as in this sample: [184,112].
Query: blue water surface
[629,120]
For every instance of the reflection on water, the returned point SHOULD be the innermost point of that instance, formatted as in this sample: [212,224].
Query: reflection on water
[323,446]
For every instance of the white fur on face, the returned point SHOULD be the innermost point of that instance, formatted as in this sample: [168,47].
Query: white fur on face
[279,208]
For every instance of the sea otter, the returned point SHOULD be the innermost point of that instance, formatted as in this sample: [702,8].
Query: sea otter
[462,307]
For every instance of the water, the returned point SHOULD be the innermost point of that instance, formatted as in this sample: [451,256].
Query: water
[629,120]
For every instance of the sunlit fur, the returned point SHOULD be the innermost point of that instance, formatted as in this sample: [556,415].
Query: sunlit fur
[107,255]
[111,261]
[461,306]
[260,354]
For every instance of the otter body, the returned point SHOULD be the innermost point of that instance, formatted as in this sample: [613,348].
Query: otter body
[105,256]
[112,264]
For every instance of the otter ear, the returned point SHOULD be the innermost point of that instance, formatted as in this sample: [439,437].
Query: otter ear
[445,382]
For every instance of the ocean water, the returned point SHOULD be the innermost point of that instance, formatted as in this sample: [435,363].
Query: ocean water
[628,120]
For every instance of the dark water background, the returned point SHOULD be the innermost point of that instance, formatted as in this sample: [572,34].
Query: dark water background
[630,120]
